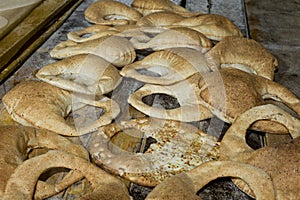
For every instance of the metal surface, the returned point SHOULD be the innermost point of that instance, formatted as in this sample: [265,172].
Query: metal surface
[27,32]
[276,25]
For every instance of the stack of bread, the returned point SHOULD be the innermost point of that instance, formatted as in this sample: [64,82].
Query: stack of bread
[188,67]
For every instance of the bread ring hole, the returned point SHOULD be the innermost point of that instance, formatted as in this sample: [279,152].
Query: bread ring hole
[155,71]
[254,139]
[53,174]
[86,35]
[161,100]
[142,53]
[151,34]
[56,174]
[130,140]
[221,188]
[146,143]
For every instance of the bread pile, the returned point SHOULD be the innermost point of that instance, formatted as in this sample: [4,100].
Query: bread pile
[204,67]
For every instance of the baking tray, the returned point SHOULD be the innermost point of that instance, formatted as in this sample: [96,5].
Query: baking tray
[32,30]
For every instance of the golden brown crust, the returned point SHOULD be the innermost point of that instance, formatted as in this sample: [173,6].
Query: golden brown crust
[186,184]
[230,92]
[116,50]
[21,184]
[37,103]
[176,187]
[42,105]
[17,141]
[175,37]
[150,6]
[246,53]
[280,161]
[107,12]
[171,65]
[185,92]
[161,18]
[87,74]
[214,27]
